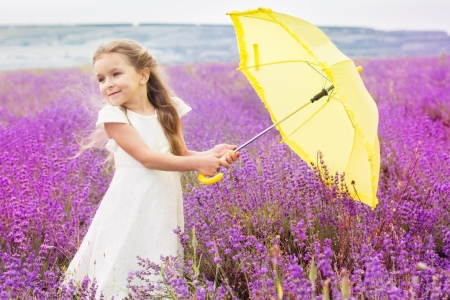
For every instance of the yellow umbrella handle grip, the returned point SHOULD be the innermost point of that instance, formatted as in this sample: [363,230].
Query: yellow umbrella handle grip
[210,180]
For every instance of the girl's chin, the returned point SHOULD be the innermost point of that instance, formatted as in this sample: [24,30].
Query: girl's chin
[115,102]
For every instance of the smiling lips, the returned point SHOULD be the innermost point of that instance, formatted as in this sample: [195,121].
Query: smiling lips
[114,93]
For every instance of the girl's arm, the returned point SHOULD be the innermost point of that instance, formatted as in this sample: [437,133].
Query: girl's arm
[131,142]
[221,148]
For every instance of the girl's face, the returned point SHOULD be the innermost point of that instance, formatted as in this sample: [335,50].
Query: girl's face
[118,80]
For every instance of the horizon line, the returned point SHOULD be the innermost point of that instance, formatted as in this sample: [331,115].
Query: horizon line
[198,24]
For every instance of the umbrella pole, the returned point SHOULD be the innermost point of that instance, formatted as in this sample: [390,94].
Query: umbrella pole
[211,180]
[321,94]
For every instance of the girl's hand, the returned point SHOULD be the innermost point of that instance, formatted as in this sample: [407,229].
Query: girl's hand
[231,156]
[227,152]
[208,165]
[222,149]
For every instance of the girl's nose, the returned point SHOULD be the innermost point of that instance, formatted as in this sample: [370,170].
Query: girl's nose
[109,82]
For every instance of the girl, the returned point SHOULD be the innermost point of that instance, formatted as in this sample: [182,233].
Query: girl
[143,203]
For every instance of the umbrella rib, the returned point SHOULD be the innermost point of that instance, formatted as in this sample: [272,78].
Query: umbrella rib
[243,14]
[307,120]
[317,71]
[333,96]
[342,102]
[285,62]
[270,127]
[278,62]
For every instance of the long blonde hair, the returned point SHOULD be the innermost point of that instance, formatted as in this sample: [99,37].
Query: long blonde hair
[158,92]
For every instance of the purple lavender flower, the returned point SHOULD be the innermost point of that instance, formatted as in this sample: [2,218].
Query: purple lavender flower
[269,197]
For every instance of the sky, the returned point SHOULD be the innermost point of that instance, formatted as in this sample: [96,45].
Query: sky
[376,14]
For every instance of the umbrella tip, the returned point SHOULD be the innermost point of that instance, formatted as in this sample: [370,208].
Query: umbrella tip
[359,68]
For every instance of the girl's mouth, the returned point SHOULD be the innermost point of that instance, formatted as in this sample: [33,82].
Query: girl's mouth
[114,93]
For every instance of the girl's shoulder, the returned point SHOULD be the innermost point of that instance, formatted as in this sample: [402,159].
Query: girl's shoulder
[111,114]
[181,106]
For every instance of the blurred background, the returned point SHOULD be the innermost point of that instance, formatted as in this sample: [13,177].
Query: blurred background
[62,34]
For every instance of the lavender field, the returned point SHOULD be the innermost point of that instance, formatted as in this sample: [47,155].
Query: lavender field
[271,229]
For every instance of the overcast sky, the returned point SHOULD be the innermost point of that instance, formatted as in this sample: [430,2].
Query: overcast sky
[377,14]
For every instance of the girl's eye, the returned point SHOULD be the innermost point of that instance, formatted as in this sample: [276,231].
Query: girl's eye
[101,80]
[116,74]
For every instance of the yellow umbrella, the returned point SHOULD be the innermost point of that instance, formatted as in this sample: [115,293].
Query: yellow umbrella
[314,95]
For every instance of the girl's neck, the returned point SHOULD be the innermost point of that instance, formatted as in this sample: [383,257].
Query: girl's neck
[143,108]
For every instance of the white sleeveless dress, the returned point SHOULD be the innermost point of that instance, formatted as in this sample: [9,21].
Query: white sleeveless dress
[137,214]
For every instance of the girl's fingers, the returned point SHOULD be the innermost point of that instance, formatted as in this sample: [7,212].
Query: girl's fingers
[234,155]
[231,156]
[223,157]
[224,163]
[229,147]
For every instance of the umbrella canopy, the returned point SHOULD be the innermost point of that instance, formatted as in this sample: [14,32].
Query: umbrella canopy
[288,61]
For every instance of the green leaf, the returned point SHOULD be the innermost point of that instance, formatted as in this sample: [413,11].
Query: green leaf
[313,272]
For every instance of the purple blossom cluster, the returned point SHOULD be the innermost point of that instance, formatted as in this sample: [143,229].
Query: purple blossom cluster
[47,199]
[272,228]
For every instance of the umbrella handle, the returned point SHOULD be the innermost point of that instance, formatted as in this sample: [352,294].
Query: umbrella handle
[216,178]
[210,180]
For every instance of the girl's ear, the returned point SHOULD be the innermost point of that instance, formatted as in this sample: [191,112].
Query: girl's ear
[145,75]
